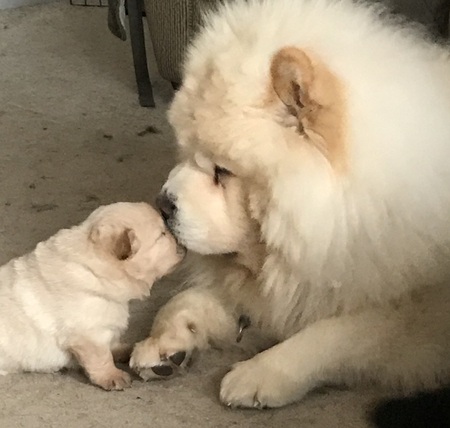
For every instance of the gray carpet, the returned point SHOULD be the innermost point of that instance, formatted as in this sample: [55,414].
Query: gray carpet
[72,136]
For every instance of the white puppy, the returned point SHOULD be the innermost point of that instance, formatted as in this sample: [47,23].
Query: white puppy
[67,300]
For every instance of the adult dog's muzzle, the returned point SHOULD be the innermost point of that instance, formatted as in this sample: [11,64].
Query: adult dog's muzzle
[166,205]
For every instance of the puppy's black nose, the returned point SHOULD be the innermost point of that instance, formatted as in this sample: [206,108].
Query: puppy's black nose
[166,205]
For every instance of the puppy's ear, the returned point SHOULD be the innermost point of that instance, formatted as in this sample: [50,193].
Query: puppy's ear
[122,243]
[292,75]
[125,245]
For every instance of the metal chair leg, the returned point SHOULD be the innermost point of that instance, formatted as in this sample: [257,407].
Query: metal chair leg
[135,9]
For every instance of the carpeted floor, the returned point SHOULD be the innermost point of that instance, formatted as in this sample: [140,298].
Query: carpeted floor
[72,136]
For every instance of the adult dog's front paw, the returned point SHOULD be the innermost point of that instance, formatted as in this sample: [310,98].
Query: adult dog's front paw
[256,383]
[154,359]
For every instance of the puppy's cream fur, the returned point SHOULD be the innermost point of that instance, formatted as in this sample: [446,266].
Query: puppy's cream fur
[69,297]
[333,231]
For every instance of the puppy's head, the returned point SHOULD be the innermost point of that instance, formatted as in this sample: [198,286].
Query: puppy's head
[133,237]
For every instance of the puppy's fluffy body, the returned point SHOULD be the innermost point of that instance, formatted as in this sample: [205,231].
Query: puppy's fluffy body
[69,297]
[334,124]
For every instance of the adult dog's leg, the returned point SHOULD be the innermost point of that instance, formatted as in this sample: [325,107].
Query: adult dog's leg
[190,320]
[402,348]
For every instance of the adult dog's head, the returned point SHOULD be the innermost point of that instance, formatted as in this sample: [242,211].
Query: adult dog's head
[300,146]
[260,130]
[295,137]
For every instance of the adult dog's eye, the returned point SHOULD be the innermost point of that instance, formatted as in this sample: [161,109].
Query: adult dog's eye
[220,173]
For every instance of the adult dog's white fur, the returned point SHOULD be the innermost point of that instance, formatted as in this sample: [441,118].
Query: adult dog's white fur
[331,227]
[69,297]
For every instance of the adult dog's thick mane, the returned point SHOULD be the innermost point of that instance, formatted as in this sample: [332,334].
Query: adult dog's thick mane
[383,220]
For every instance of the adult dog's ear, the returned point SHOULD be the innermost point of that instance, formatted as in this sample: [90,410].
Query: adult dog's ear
[120,242]
[292,75]
[315,99]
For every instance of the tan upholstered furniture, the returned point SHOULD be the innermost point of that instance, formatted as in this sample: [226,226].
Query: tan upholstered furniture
[173,22]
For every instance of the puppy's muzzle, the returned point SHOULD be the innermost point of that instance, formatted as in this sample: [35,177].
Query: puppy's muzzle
[166,205]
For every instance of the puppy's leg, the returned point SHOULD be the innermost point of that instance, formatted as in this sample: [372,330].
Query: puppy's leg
[97,361]
[190,320]
[385,346]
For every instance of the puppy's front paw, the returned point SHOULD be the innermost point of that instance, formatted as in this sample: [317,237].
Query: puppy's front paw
[153,359]
[116,380]
[256,383]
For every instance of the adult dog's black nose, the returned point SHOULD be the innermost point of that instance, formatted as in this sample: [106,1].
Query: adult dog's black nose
[166,205]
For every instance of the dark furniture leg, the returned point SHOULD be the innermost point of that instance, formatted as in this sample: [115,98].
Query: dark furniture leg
[144,85]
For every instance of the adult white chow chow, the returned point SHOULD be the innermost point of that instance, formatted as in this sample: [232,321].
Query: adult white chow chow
[315,186]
